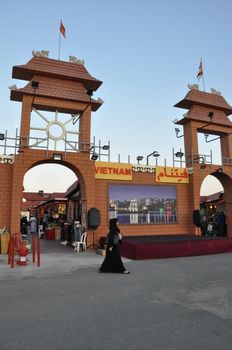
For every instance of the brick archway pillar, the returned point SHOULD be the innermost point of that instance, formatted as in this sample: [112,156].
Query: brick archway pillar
[17,182]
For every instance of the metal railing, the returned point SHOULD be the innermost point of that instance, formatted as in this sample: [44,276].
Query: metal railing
[16,144]
[182,160]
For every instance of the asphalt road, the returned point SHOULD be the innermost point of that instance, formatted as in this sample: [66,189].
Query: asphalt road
[168,304]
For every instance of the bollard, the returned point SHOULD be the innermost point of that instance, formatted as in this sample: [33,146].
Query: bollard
[33,248]
[12,253]
[38,252]
[9,251]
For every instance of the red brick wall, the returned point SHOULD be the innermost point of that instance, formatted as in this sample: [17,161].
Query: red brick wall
[5,197]
[95,192]
[184,209]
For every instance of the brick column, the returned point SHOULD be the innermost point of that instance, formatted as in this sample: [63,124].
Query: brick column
[17,188]
[190,142]
[25,120]
[6,193]
[226,146]
[85,125]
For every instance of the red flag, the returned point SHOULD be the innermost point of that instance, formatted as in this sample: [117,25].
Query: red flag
[200,71]
[62,29]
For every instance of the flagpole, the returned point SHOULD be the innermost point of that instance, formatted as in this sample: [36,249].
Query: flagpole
[203,81]
[59,46]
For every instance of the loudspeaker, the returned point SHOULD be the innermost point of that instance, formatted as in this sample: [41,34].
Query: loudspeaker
[93,218]
[196,217]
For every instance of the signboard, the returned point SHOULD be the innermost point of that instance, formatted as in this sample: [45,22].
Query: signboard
[113,171]
[172,175]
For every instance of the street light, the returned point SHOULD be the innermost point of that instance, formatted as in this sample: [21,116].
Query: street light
[177,131]
[139,159]
[94,156]
[34,84]
[57,156]
[203,165]
[154,154]
[201,160]
[179,154]
[210,115]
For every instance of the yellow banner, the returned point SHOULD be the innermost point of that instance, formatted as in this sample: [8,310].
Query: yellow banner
[171,174]
[113,171]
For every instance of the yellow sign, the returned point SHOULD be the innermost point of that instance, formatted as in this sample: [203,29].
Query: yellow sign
[171,174]
[113,171]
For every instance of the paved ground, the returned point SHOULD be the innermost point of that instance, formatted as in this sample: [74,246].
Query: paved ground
[165,304]
[55,259]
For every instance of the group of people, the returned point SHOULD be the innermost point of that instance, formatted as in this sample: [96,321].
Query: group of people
[28,226]
[215,225]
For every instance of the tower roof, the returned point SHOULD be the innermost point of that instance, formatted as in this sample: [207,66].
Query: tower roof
[44,66]
[205,99]
[56,79]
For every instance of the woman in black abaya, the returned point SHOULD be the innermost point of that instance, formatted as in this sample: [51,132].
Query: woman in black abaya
[113,261]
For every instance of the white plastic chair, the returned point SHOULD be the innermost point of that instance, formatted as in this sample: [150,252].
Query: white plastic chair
[2,230]
[81,243]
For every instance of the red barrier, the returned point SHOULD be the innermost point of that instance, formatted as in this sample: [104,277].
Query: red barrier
[9,251]
[33,248]
[38,252]
[36,244]
[12,252]
[13,244]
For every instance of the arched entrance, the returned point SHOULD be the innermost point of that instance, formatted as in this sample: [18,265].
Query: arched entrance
[213,207]
[52,203]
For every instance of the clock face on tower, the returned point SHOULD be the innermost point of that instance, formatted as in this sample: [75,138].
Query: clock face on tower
[54,131]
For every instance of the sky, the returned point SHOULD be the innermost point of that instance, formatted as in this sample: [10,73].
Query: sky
[146,52]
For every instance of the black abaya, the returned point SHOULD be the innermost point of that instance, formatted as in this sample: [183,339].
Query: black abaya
[113,261]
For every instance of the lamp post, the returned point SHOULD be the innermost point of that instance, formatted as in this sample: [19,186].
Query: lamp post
[154,154]
[201,160]
[139,159]
[179,155]
[177,131]
[94,156]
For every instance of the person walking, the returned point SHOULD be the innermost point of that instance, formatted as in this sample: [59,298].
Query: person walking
[33,225]
[113,261]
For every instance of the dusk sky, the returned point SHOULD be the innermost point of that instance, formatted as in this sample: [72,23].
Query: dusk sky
[145,52]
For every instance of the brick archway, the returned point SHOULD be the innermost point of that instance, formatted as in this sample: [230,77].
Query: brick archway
[226,182]
[78,163]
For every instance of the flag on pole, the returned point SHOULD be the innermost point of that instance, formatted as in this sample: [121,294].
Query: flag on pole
[200,71]
[62,29]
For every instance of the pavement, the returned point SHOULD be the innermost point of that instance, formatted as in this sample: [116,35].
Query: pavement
[164,304]
[55,259]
